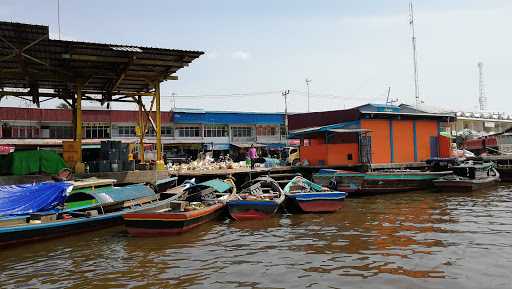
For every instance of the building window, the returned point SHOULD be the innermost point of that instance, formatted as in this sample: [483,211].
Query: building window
[266,131]
[25,132]
[150,131]
[241,131]
[60,132]
[192,131]
[215,131]
[126,131]
[167,131]
[96,131]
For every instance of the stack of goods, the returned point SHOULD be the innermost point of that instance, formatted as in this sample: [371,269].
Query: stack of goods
[206,165]
[114,158]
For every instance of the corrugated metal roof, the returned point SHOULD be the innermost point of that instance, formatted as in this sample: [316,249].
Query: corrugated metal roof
[228,118]
[110,69]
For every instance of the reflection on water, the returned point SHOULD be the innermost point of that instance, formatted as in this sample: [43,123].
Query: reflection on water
[409,240]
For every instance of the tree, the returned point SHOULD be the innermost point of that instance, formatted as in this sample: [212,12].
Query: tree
[63,105]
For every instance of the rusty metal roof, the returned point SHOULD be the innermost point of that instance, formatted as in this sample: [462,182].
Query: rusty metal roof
[29,59]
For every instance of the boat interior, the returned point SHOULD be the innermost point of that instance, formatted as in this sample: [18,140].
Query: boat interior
[260,189]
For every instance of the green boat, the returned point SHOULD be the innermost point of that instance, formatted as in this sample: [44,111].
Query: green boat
[388,181]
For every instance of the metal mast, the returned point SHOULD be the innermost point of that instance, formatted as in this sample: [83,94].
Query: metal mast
[285,94]
[415,60]
[482,99]
[308,81]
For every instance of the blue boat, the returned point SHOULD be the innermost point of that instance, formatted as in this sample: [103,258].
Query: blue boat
[83,215]
[259,199]
[304,196]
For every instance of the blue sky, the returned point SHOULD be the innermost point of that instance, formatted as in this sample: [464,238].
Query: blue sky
[352,50]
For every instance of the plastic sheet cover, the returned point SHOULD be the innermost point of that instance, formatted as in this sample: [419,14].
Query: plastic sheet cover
[31,198]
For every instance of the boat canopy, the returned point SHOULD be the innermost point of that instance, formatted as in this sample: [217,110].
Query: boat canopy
[217,184]
[108,195]
[31,198]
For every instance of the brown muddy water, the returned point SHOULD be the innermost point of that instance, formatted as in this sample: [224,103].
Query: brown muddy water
[409,240]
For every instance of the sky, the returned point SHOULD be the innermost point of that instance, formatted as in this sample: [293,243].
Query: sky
[351,50]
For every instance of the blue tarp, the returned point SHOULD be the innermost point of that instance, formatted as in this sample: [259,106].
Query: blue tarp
[31,198]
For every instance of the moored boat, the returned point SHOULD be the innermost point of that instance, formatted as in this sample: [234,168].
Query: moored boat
[259,198]
[304,196]
[81,215]
[387,181]
[469,176]
[198,204]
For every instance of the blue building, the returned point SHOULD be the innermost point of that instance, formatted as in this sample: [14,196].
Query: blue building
[226,131]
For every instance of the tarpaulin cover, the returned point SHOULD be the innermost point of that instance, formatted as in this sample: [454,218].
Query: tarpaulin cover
[31,162]
[50,162]
[31,198]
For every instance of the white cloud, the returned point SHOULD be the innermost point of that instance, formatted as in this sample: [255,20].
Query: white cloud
[212,55]
[241,54]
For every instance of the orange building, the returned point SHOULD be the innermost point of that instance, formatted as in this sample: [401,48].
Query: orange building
[369,134]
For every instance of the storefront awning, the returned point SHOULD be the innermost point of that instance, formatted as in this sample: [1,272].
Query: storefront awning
[247,145]
[217,146]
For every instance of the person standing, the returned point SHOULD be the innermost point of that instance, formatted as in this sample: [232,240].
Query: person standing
[252,156]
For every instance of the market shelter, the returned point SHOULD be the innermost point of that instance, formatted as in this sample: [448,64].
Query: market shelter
[370,134]
[36,68]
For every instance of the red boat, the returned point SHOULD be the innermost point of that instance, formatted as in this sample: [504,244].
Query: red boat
[304,196]
[197,205]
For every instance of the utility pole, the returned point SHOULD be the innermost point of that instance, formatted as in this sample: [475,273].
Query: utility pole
[285,94]
[308,81]
[58,16]
[415,60]
[387,98]
[173,101]
[482,99]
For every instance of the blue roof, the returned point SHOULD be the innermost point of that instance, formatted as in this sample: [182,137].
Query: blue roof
[229,118]
[377,107]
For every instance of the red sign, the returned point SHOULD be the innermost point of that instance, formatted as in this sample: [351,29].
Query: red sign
[4,149]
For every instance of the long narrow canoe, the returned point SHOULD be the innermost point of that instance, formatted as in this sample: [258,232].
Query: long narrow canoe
[107,211]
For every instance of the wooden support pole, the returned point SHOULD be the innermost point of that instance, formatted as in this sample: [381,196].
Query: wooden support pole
[142,128]
[158,124]
[78,122]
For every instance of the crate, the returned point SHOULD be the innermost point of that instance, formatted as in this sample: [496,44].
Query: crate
[70,146]
[44,217]
[71,156]
[104,166]
[115,166]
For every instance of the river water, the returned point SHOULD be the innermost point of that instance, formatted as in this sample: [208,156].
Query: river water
[407,240]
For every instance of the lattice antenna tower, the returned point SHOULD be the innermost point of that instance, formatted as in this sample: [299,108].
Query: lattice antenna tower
[482,98]
[414,55]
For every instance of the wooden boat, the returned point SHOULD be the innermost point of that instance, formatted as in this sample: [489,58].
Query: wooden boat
[304,196]
[198,204]
[259,199]
[110,204]
[387,181]
[469,176]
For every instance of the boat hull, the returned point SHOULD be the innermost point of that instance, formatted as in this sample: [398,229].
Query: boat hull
[466,185]
[153,224]
[18,235]
[241,210]
[375,183]
[314,202]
